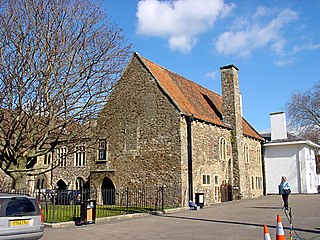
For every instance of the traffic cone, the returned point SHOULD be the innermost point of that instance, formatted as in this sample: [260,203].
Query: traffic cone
[266,233]
[280,233]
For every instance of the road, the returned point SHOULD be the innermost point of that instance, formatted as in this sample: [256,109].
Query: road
[242,219]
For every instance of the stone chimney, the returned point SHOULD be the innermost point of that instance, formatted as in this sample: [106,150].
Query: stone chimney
[278,126]
[232,117]
[231,98]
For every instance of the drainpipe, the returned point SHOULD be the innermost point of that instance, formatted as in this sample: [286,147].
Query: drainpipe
[189,120]
[263,169]
[300,176]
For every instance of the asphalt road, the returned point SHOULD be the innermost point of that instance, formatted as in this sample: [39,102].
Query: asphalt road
[242,219]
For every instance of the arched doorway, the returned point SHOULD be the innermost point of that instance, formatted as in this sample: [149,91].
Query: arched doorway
[41,182]
[61,185]
[38,184]
[108,192]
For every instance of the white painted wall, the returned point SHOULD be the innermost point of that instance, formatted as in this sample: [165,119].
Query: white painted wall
[280,161]
[310,175]
[278,126]
[296,162]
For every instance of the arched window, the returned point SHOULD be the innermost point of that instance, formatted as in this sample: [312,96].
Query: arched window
[258,154]
[223,149]
[79,183]
[246,152]
[47,158]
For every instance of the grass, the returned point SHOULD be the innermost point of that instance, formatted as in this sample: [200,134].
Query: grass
[66,213]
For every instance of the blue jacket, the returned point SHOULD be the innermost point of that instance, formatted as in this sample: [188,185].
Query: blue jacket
[284,185]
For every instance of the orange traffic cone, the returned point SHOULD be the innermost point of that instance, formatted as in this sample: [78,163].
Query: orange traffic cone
[266,233]
[280,233]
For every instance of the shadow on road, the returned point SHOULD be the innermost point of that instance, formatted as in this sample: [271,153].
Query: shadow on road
[266,207]
[241,223]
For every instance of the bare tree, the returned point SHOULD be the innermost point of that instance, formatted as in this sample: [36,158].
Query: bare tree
[58,62]
[304,113]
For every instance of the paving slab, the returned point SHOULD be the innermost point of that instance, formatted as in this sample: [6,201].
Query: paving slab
[241,219]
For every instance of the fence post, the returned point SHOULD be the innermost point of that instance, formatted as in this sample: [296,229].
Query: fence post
[162,193]
[127,200]
[53,206]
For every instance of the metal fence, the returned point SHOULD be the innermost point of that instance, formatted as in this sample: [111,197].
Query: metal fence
[65,205]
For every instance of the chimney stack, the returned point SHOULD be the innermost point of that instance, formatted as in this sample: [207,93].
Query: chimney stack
[231,99]
[278,126]
[231,112]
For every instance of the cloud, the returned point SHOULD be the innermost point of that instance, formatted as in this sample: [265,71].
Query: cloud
[262,30]
[308,46]
[213,75]
[289,58]
[179,21]
[285,61]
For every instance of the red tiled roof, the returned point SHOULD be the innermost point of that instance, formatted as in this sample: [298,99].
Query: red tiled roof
[193,99]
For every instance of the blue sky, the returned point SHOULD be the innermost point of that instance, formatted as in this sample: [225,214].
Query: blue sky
[275,44]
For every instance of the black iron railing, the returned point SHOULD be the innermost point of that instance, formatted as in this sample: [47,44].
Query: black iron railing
[65,205]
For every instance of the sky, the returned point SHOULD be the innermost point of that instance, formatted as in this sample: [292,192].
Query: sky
[275,44]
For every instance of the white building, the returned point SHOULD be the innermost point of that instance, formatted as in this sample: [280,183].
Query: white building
[290,156]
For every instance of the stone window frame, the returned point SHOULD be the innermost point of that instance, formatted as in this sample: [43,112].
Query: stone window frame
[79,156]
[62,153]
[258,154]
[216,180]
[206,179]
[47,158]
[102,151]
[246,152]
[258,182]
[253,186]
[222,149]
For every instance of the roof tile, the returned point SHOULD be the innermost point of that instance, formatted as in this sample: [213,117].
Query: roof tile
[192,99]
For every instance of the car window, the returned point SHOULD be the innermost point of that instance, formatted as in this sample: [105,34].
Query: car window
[20,206]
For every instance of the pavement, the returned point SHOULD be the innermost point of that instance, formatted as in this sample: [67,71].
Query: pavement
[241,219]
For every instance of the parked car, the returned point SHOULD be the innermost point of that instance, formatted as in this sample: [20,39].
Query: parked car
[65,197]
[20,217]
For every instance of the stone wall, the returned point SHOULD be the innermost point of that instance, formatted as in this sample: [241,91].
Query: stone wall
[251,170]
[70,172]
[142,128]
[206,160]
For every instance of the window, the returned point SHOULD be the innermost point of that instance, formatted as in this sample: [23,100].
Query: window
[246,152]
[252,183]
[258,153]
[80,156]
[216,180]
[62,156]
[102,150]
[259,183]
[223,149]
[47,158]
[206,179]
[20,206]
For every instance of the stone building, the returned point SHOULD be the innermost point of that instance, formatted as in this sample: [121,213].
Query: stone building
[159,128]
[67,167]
